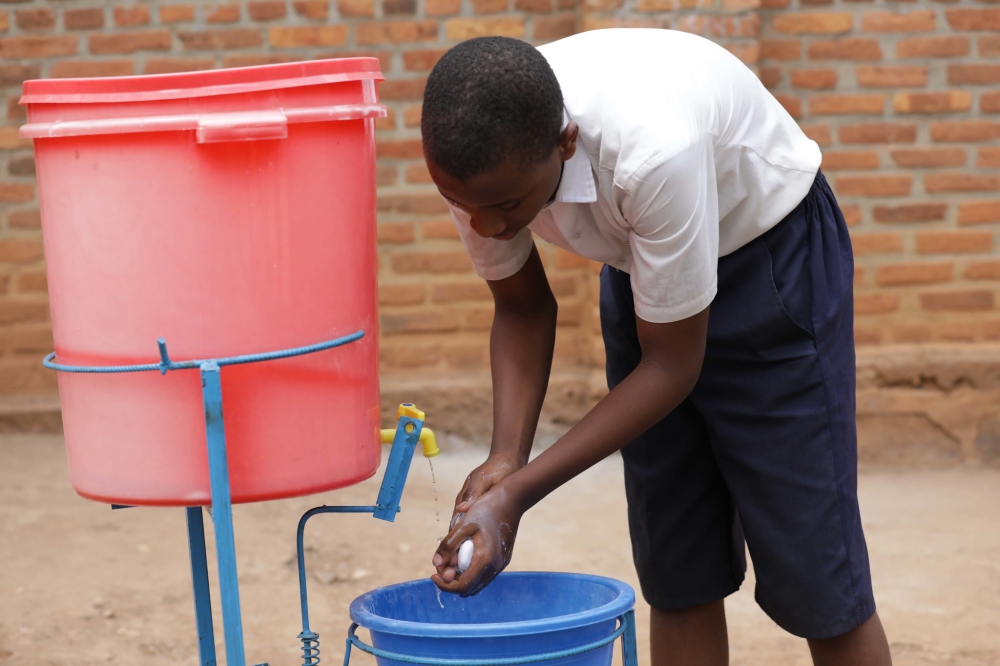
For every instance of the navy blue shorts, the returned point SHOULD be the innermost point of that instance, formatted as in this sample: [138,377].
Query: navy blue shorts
[764,450]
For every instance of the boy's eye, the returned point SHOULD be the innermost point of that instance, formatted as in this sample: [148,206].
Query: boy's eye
[510,206]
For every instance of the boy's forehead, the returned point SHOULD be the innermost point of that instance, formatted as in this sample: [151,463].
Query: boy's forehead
[508,181]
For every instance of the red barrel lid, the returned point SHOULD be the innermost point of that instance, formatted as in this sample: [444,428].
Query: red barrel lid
[199,84]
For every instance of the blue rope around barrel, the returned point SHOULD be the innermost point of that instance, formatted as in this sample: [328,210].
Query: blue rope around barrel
[166,364]
[353,640]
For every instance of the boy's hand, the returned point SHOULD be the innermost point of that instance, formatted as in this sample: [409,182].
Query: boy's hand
[491,522]
[480,480]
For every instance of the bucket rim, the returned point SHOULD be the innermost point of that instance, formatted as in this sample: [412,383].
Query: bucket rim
[623,602]
[206,83]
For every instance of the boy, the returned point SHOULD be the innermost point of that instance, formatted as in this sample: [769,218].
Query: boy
[726,311]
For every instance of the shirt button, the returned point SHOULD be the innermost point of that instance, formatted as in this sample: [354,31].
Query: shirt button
[576,235]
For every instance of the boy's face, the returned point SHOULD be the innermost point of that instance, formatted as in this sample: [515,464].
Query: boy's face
[503,201]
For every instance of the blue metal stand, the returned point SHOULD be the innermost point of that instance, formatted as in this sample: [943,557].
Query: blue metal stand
[202,596]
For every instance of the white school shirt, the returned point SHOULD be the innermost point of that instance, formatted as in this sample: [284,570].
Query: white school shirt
[683,157]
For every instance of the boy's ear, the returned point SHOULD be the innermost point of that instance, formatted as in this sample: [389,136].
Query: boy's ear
[567,141]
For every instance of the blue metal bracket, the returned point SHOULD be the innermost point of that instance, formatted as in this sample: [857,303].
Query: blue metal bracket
[387,506]
[199,578]
[625,631]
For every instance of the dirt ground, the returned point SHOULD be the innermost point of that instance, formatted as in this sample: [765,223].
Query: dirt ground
[84,585]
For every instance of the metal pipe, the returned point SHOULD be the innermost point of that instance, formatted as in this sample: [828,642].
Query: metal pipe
[202,595]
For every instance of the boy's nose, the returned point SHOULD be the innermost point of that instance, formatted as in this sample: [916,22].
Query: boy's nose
[487,226]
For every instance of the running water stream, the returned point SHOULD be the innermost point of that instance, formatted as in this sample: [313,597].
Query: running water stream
[437,517]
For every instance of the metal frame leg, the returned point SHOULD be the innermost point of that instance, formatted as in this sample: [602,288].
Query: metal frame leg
[222,513]
[630,653]
[202,595]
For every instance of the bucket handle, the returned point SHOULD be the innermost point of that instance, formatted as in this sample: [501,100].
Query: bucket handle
[209,127]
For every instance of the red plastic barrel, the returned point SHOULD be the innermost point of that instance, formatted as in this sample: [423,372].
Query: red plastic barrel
[229,212]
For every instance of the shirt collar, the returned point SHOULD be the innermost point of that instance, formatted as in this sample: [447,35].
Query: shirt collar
[577,184]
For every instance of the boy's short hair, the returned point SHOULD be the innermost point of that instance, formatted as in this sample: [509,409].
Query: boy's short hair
[488,99]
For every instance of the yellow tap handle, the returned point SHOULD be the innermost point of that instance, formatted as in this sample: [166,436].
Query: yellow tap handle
[427,438]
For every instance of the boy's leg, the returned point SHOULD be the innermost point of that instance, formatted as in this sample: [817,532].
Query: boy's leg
[686,540]
[865,645]
[777,393]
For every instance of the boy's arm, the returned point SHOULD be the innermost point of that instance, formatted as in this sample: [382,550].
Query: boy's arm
[521,343]
[672,355]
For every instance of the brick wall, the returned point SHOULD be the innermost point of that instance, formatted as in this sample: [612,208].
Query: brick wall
[902,97]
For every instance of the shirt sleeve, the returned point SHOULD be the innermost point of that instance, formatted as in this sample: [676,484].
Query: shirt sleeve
[493,259]
[671,205]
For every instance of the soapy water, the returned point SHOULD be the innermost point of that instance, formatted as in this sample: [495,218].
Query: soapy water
[437,510]
[440,603]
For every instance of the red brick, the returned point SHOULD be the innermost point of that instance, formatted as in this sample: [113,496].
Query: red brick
[314,10]
[973,74]
[71,69]
[852,214]
[461,292]
[873,76]
[915,212]
[21,250]
[989,157]
[21,312]
[875,303]
[747,52]
[878,133]
[419,321]
[921,21]
[791,103]
[356,7]
[422,59]
[989,102]
[814,79]
[780,49]
[864,335]
[395,32]
[932,102]
[171,65]
[554,27]
[439,229]
[432,262]
[16,192]
[402,89]
[83,19]
[28,47]
[973,19]
[400,294]
[928,157]
[770,76]
[417,173]
[489,6]
[266,10]
[307,36]
[131,16]
[989,46]
[15,74]
[965,130]
[536,6]
[24,219]
[466,356]
[961,182]
[9,139]
[821,134]
[15,111]
[911,332]
[812,23]
[442,7]
[211,40]
[932,47]
[849,48]
[41,18]
[957,301]
[223,14]
[979,212]
[400,148]
[458,30]
[253,60]
[425,203]
[982,270]
[411,115]
[385,175]
[844,159]
[395,232]
[774,4]
[874,185]
[399,7]
[35,282]
[131,42]
[176,13]
[21,166]
[822,105]
[954,242]
[893,275]
[876,243]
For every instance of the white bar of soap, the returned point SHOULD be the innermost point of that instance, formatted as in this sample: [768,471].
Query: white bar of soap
[465,552]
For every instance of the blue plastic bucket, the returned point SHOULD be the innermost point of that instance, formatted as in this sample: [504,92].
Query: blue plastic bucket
[517,615]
